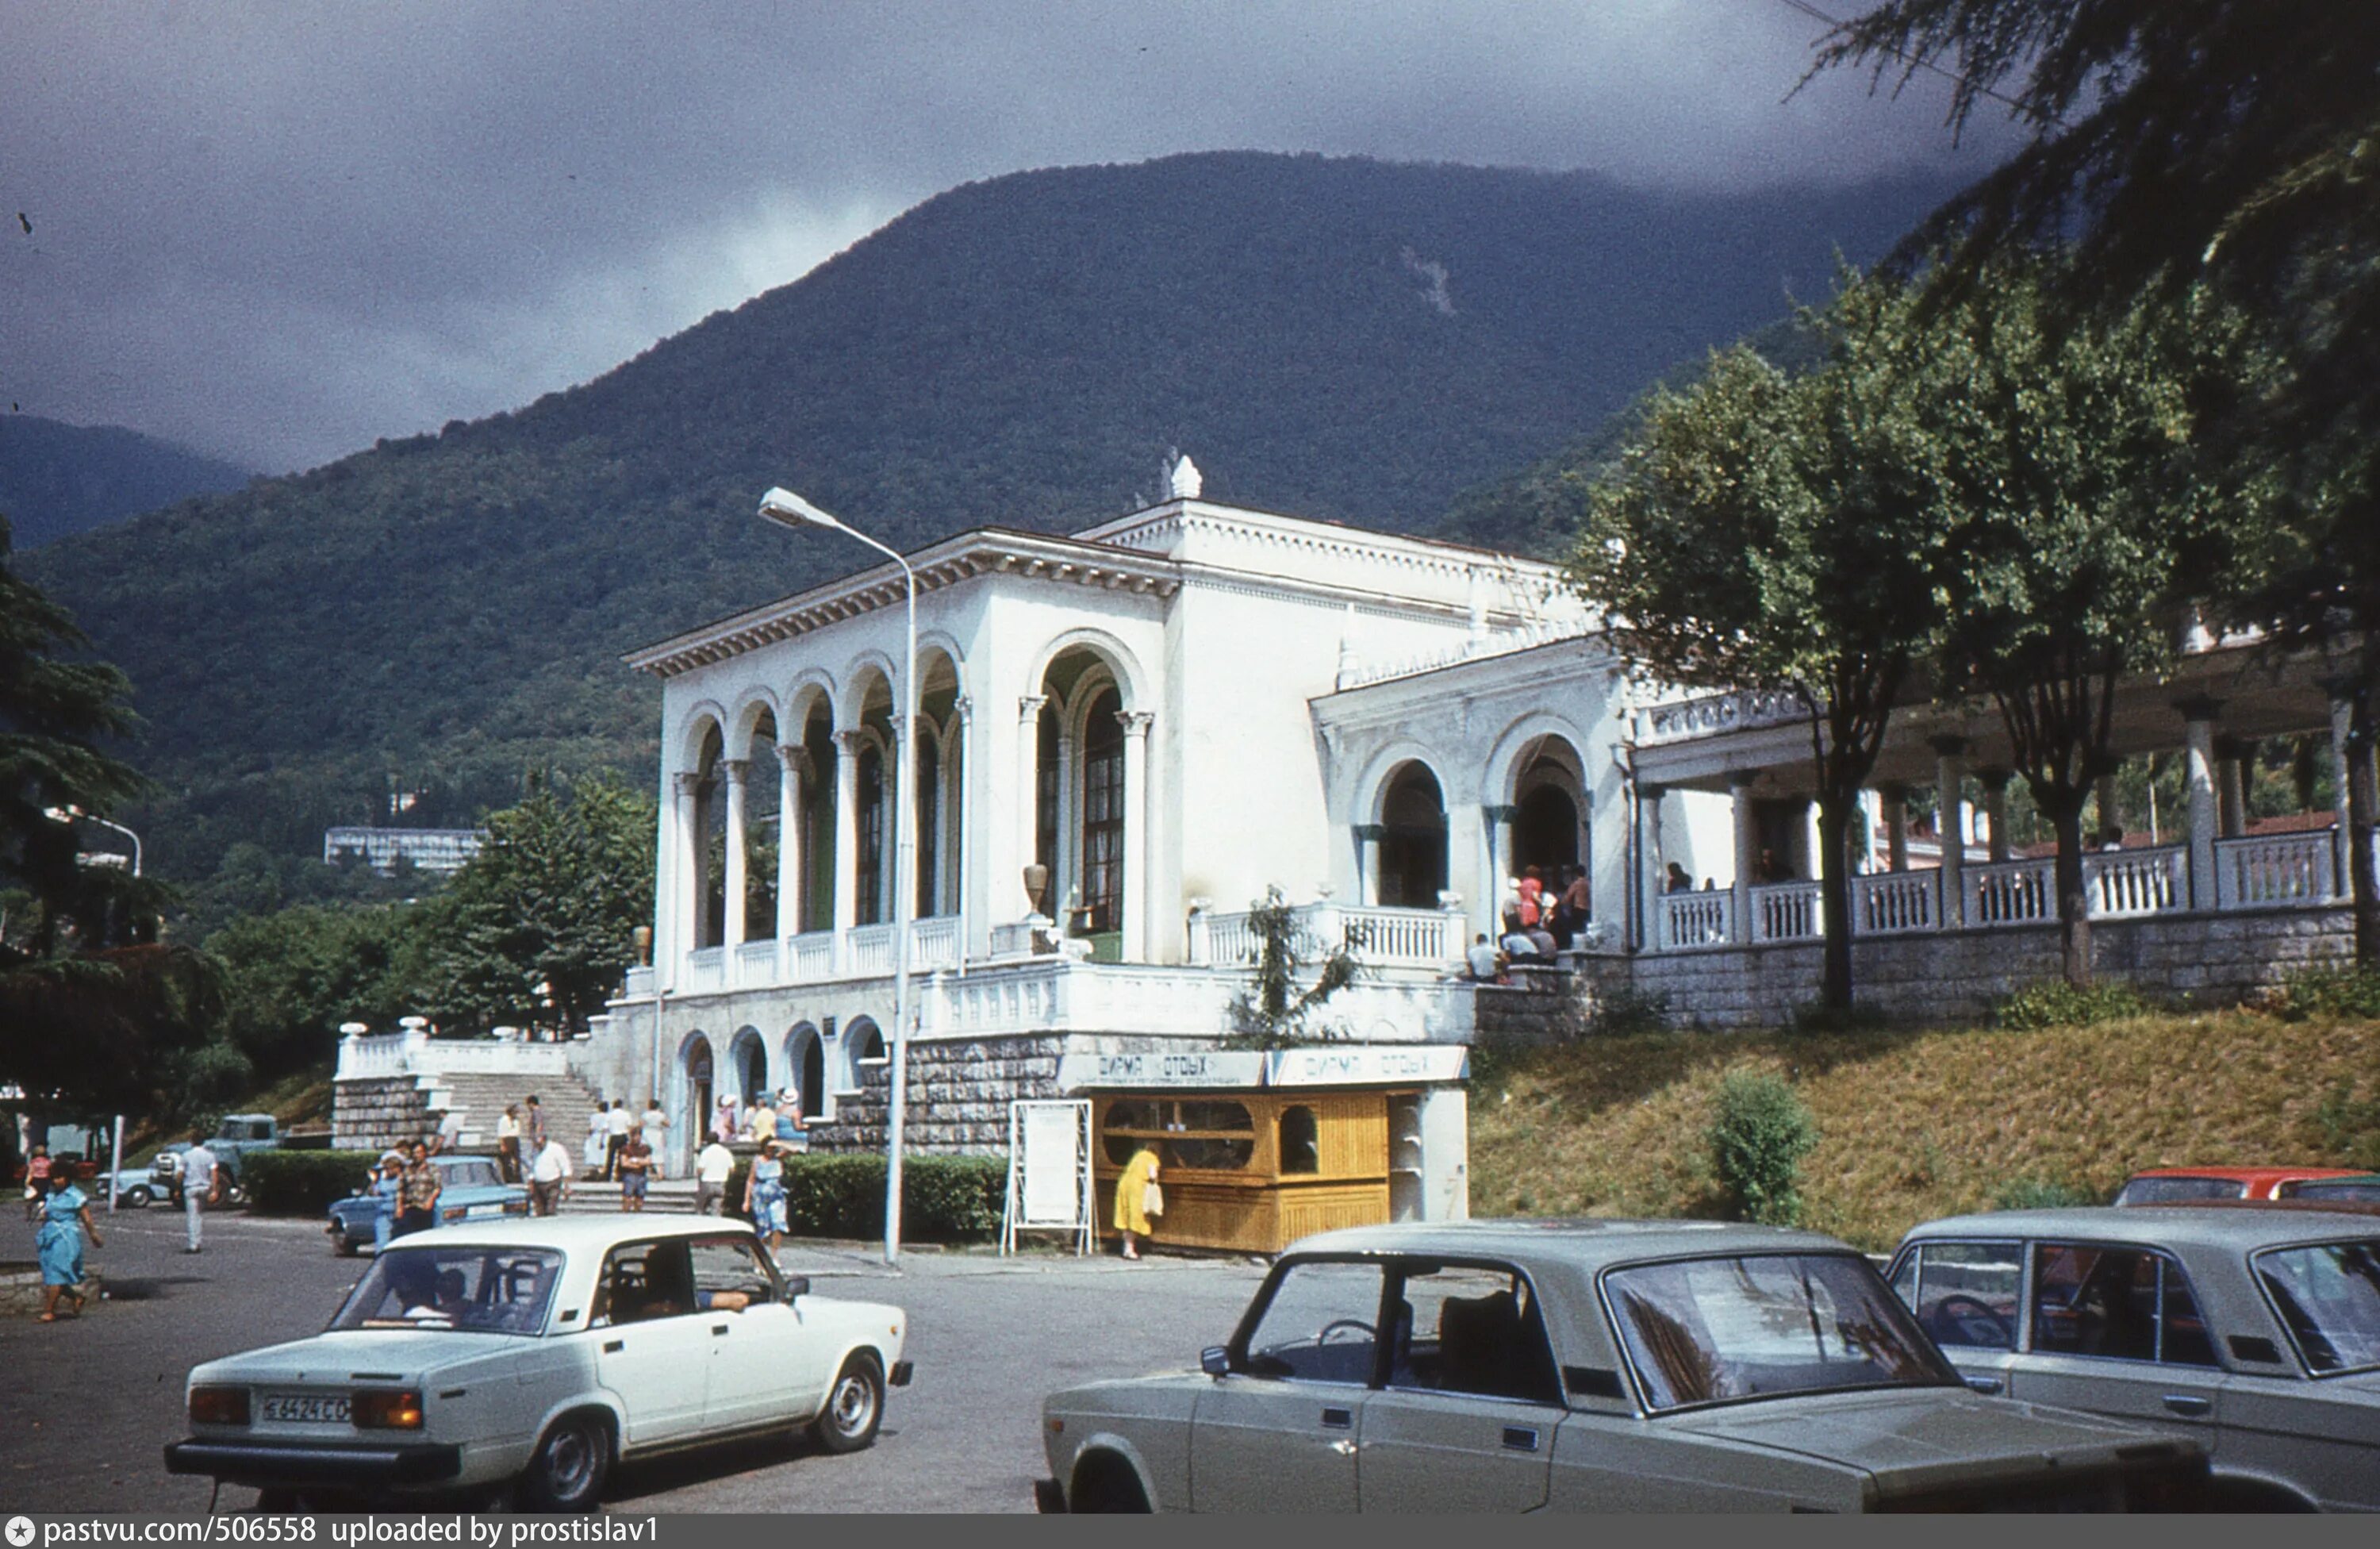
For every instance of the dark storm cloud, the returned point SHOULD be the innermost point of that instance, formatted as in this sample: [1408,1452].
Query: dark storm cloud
[280,230]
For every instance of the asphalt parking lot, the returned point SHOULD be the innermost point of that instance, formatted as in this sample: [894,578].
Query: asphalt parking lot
[87,1407]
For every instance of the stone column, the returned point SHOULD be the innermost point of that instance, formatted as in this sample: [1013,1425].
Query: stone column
[2205,816]
[2342,879]
[2232,758]
[1656,882]
[1747,849]
[1140,827]
[1996,784]
[1368,862]
[738,772]
[846,835]
[792,767]
[1950,802]
[1895,798]
[1028,784]
[1493,821]
[689,871]
[955,845]
[2102,797]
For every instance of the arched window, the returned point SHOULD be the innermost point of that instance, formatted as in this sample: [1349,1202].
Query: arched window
[867,1041]
[1413,839]
[805,1057]
[929,782]
[1103,813]
[1300,1140]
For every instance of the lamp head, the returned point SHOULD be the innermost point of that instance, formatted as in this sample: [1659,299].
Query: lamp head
[788,509]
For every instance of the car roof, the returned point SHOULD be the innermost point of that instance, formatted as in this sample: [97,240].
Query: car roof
[2243,1227]
[2261,1176]
[574,1233]
[1586,1243]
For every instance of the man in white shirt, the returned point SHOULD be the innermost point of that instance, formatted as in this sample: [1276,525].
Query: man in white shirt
[201,1185]
[712,1171]
[549,1177]
[450,1132]
[616,1126]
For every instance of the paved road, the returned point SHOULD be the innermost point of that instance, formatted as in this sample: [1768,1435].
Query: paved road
[86,1407]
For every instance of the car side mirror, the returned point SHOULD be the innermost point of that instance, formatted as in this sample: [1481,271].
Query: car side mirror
[1215,1360]
[797,1285]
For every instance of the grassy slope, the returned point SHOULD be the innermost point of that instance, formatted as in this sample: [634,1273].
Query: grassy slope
[1912,1125]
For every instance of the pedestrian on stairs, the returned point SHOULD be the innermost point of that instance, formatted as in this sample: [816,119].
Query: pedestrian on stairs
[599,1139]
[712,1171]
[656,1127]
[615,1135]
[508,1144]
[635,1168]
[549,1177]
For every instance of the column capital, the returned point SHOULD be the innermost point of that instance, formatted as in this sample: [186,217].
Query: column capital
[1650,791]
[962,707]
[687,782]
[1893,790]
[794,756]
[1948,745]
[1134,722]
[1500,812]
[1029,706]
[737,770]
[1743,779]
[2198,707]
[2228,746]
[847,743]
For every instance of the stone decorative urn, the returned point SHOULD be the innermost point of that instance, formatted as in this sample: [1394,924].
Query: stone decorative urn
[1036,883]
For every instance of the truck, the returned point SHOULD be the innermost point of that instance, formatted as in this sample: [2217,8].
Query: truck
[233,1139]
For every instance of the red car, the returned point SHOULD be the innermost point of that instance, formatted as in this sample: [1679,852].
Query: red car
[2165,1186]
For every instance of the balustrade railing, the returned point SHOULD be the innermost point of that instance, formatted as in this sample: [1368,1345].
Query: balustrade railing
[756,964]
[706,970]
[810,956]
[934,943]
[2128,883]
[2278,869]
[1891,903]
[2012,893]
[1376,935]
[1703,919]
[868,951]
[1786,911]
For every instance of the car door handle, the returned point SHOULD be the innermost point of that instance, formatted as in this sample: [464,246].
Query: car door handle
[718,1328]
[2190,1404]
[1344,1448]
[1339,1419]
[1521,1438]
[614,1347]
[1985,1384]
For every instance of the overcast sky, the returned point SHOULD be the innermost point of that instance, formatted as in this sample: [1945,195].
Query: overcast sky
[277,231]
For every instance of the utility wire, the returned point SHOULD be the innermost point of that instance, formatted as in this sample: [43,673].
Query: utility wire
[1807,9]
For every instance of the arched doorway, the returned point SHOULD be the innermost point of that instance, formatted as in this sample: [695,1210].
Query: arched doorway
[693,1120]
[1549,810]
[863,1044]
[750,1062]
[1544,832]
[805,1057]
[1412,855]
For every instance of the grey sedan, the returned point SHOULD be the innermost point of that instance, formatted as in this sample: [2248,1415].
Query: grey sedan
[1596,1366]
[2255,1326]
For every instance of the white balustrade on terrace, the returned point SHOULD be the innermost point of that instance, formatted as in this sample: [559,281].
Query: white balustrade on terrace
[1704,919]
[2129,883]
[810,956]
[1063,994]
[1786,911]
[934,943]
[1894,903]
[2276,869]
[2012,893]
[756,964]
[380,1056]
[1374,935]
[868,951]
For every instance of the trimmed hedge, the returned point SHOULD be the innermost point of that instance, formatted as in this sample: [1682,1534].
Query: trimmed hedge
[944,1199]
[302,1182]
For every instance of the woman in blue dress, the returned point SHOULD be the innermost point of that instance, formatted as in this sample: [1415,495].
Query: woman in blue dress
[66,1217]
[386,1185]
[764,1194]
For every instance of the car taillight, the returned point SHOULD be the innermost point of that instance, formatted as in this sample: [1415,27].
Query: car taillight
[381,1409]
[455,1213]
[219,1406]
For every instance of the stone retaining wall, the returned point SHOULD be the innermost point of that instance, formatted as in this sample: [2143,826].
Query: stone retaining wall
[2214,959]
[378,1112]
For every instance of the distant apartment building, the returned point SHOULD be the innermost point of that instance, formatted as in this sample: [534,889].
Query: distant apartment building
[429,850]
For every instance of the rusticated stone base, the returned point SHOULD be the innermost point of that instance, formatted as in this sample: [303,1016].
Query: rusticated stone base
[378,1113]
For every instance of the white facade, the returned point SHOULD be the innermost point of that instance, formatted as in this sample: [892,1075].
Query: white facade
[1173,712]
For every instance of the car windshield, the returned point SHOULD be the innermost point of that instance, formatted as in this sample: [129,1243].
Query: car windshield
[2167,1191]
[482,1289]
[1707,1330]
[2329,1296]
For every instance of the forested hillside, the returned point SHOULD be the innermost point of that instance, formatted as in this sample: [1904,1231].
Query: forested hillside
[58,478]
[1339,338]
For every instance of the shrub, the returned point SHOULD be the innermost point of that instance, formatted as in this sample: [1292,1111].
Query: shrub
[944,1199]
[2053,1003]
[302,1182]
[2351,1127]
[2040,1193]
[1758,1134]
[2329,989]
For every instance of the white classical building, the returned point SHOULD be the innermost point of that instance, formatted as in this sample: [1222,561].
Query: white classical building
[1170,713]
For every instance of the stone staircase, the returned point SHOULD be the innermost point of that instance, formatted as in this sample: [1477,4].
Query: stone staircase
[669,1196]
[481,1100]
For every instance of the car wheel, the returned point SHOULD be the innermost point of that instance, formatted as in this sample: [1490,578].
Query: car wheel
[570,1467]
[855,1406]
[1105,1482]
[343,1246]
[136,1197]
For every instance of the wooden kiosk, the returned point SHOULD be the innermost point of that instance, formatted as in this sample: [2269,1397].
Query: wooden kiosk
[1251,1168]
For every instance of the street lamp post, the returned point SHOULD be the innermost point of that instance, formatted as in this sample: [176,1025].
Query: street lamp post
[76,814]
[788,509]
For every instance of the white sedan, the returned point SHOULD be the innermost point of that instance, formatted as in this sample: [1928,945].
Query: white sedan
[539,1354]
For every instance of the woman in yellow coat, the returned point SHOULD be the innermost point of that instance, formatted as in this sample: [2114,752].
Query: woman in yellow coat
[1132,1201]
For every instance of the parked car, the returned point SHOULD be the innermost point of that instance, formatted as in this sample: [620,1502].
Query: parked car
[469,1188]
[2362,1189]
[234,1137]
[2166,1186]
[532,1356]
[132,1186]
[2257,1326]
[1596,1366]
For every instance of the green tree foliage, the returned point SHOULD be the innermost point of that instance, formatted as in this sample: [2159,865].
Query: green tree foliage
[553,898]
[1275,1010]
[1785,532]
[1759,1132]
[2090,509]
[294,975]
[2226,144]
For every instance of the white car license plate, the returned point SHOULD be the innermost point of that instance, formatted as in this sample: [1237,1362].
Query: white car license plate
[304,1409]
